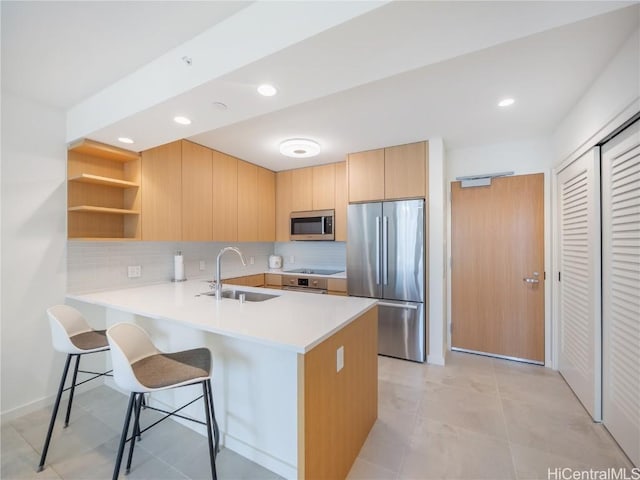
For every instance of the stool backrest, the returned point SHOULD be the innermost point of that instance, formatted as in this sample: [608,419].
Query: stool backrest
[65,322]
[129,343]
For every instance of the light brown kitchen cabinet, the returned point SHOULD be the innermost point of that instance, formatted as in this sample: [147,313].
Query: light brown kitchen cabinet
[323,187]
[247,202]
[301,187]
[405,171]
[103,192]
[225,198]
[366,175]
[197,195]
[283,204]
[266,205]
[161,190]
[256,280]
[337,286]
[388,174]
[340,224]
[273,280]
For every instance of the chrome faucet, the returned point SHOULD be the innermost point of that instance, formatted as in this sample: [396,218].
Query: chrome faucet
[218,278]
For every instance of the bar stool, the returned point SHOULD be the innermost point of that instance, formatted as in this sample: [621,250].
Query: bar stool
[71,334]
[139,367]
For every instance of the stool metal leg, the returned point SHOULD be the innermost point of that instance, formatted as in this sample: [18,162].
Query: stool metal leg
[207,402]
[216,430]
[73,389]
[54,413]
[123,437]
[136,430]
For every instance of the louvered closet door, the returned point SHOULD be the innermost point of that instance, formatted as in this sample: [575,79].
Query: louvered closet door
[621,289]
[579,287]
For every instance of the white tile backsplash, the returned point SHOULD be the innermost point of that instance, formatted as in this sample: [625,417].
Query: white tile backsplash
[312,254]
[102,265]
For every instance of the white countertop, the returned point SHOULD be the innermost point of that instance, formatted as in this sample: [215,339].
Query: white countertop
[294,321]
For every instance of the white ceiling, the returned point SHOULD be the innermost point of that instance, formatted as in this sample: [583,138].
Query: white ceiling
[352,75]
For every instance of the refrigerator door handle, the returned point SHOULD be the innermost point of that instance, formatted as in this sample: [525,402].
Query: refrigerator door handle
[385,234]
[377,250]
[398,305]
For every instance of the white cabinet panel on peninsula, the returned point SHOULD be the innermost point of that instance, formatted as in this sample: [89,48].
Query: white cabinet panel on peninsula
[281,399]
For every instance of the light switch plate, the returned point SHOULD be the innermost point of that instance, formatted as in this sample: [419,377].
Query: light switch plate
[134,271]
[203,265]
[339,358]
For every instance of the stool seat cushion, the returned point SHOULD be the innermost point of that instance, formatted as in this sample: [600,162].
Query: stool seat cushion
[90,340]
[167,369]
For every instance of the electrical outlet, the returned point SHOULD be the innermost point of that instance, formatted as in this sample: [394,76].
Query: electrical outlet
[203,265]
[339,358]
[252,260]
[134,271]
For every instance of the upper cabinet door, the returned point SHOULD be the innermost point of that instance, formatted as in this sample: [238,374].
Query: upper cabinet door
[405,171]
[301,187]
[366,176]
[225,198]
[266,205]
[197,197]
[162,192]
[247,202]
[324,185]
[341,202]
[283,204]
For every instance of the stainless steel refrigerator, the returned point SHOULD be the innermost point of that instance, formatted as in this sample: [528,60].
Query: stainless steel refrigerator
[385,260]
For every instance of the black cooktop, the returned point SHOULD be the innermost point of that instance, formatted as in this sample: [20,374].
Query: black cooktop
[313,271]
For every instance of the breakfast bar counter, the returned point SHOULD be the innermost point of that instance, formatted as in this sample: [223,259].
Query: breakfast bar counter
[295,375]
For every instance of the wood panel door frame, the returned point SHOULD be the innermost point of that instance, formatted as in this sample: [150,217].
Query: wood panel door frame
[544,267]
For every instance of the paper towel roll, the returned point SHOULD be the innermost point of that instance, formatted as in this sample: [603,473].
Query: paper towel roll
[178,267]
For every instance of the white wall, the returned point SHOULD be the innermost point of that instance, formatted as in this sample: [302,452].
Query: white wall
[522,157]
[33,248]
[312,254]
[612,98]
[101,265]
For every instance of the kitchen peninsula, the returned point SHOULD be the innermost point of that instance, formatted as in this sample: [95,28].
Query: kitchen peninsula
[295,376]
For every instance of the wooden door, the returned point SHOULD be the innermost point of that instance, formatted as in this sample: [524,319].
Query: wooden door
[197,200]
[266,205]
[405,171]
[301,187]
[225,198]
[497,235]
[162,192]
[341,202]
[283,205]
[247,202]
[324,184]
[366,176]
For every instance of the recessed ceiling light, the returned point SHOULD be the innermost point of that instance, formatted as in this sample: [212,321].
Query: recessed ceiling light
[125,140]
[505,102]
[267,90]
[299,148]
[182,120]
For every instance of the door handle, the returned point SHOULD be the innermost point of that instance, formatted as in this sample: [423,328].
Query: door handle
[385,253]
[398,305]
[530,280]
[377,250]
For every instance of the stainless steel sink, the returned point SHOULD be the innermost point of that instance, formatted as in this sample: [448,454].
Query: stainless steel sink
[248,296]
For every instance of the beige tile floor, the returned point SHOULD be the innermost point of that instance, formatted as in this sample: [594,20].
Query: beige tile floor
[476,418]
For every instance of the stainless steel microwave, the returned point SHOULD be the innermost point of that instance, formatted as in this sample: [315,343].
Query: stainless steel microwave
[313,225]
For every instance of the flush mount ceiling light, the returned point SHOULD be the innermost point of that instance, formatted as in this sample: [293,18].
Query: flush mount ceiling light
[125,140]
[506,102]
[299,148]
[182,120]
[267,90]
